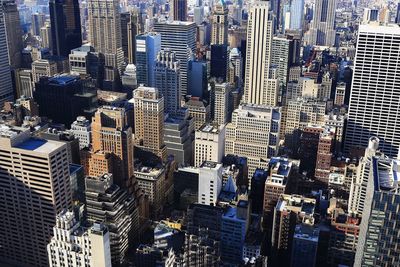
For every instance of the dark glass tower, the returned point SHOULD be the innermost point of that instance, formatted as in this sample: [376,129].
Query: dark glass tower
[65,26]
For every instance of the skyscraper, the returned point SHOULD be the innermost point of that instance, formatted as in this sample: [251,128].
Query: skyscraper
[178,10]
[67,233]
[65,26]
[105,37]
[168,80]
[219,24]
[13,31]
[35,186]
[149,120]
[398,14]
[379,230]
[179,37]
[296,15]
[322,31]
[210,183]
[259,88]
[6,89]
[112,135]
[147,47]
[375,94]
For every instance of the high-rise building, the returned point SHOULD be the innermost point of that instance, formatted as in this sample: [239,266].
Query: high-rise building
[296,15]
[379,230]
[115,208]
[133,30]
[322,31]
[105,37]
[82,129]
[149,120]
[199,110]
[35,186]
[6,88]
[373,88]
[210,182]
[209,144]
[24,82]
[219,24]
[281,57]
[398,14]
[197,79]
[236,67]
[148,46]
[220,99]
[305,246]
[46,37]
[13,31]
[43,67]
[259,88]
[179,37]
[253,133]
[370,15]
[219,62]
[178,10]
[65,26]
[129,80]
[91,245]
[38,21]
[112,136]
[167,79]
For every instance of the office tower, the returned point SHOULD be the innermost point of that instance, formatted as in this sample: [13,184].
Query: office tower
[340,94]
[201,250]
[343,238]
[299,114]
[219,24]
[379,230]
[324,155]
[209,144]
[308,149]
[65,26]
[148,46]
[305,246]
[253,133]
[359,186]
[219,62]
[13,31]
[38,21]
[200,216]
[112,136]
[46,37]
[186,182]
[234,224]
[373,88]
[43,68]
[178,10]
[220,99]
[281,57]
[279,181]
[24,82]
[149,120]
[167,79]
[38,170]
[85,61]
[197,79]
[296,15]
[322,30]
[62,99]
[398,14]
[236,70]
[129,80]
[133,30]
[125,21]
[151,181]
[257,190]
[178,136]
[210,183]
[370,15]
[179,37]
[116,209]
[259,88]
[66,137]
[198,14]
[91,245]
[82,129]
[105,37]
[199,110]
[6,88]
[289,211]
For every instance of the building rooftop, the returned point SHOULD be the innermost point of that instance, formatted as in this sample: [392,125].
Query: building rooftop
[209,164]
[63,79]
[39,145]
[209,128]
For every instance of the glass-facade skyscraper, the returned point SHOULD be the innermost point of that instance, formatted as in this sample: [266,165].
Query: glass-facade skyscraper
[65,26]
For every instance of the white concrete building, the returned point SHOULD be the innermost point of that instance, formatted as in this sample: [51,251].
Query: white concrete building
[82,130]
[75,246]
[209,144]
[210,182]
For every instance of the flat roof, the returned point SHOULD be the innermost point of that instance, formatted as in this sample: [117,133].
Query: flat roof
[39,145]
